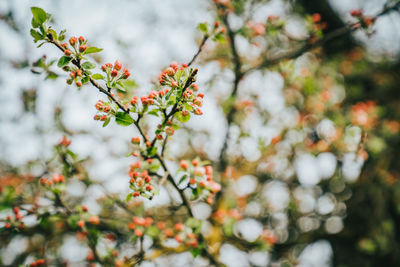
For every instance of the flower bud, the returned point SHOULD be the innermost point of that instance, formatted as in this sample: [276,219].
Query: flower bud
[114,73]
[169,131]
[72,40]
[82,48]
[81,39]
[117,65]
[67,52]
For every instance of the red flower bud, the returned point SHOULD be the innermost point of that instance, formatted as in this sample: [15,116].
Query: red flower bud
[81,224]
[40,262]
[316,17]
[65,45]
[72,74]
[126,74]
[138,232]
[81,39]
[84,208]
[72,40]
[117,65]
[16,210]
[149,187]
[79,72]
[174,65]
[114,73]
[170,71]
[134,100]
[135,194]
[78,83]
[183,164]
[67,52]
[82,48]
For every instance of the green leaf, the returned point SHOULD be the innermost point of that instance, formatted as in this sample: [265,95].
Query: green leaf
[202,27]
[34,23]
[39,15]
[220,38]
[88,65]
[183,178]
[98,76]
[182,118]
[128,197]
[92,49]
[53,33]
[63,61]
[61,35]
[123,119]
[85,79]
[153,112]
[36,35]
[106,122]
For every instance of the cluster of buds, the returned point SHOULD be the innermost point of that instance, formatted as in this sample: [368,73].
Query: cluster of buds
[181,233]
[114,71]
[103,111]
[195,100]
[151,97]
[139,225]
[16,221]
[77,44]
[364,22]
[56,179]
[38,262]
[76,76]
[200,176]
[218,28]
[167,77]
[140,180]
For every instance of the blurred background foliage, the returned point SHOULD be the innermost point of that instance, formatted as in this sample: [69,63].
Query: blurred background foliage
[301,125]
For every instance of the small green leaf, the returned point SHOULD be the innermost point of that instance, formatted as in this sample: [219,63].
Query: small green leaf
[39,15]
[220,38]
[36,35]
[34,23]
[88,65]
[92,49]
[202,27]
[182,118]
[53,33]
[63,61]
[106,122]
[98,76]
[128,197]
[183,178]
[153,112]
[61,35]
[85,79]
[123,119]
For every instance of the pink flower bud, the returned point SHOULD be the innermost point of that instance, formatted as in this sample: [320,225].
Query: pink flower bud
[117,65]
